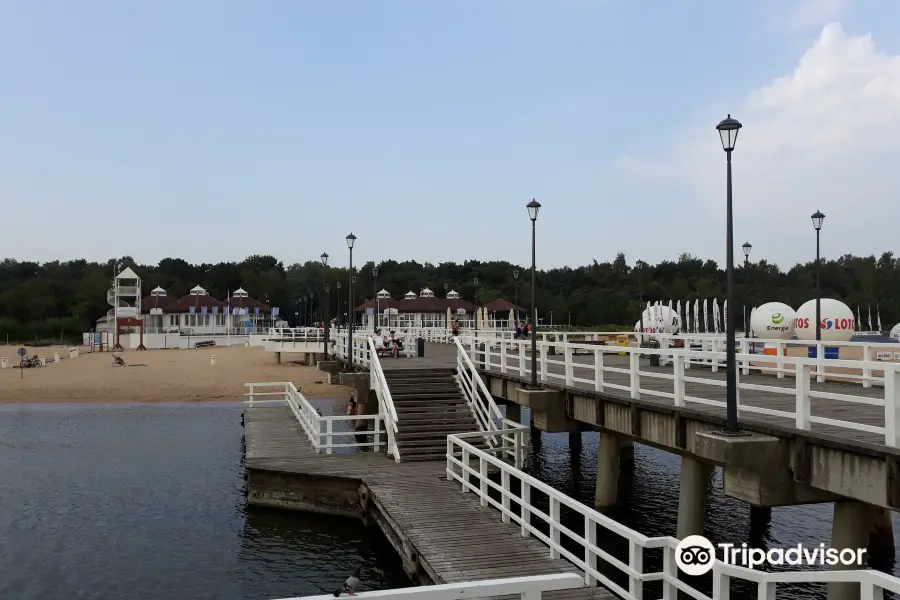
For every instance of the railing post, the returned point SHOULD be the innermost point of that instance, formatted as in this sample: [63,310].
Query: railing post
[543,366]
[251,400]
[329,438]
[318,441]
[636,562]
[521,349]
[779,364]
[670,573]
[554,528]
[525,506]
[634,365]
[378,424]
[519,448]
[598,370]
[820,363]
[590,559]
[721,584]
[483,481]
[745,350]
[570,369]
[867,372]
[449,456]
[504,485]
[487,355]
[802,407]
[891,414]
[502,356]
[465,469]
[679,379]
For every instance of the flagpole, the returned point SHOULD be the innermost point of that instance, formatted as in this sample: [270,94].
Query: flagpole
[228,321]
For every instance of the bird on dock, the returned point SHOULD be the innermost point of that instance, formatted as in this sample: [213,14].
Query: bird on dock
[349,585]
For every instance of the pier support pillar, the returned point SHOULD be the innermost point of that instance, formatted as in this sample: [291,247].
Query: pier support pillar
[881,537]
[606,488]
[514,412]
[692,496]
[850,528]
[548,409]
[574,438]
[332,367]
[278,357]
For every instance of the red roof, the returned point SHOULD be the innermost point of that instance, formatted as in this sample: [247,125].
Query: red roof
[184,304]
[501,305]
[151,302]
[419,305]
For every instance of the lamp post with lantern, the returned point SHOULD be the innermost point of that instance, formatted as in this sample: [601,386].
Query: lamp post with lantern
[728,130]
[325,323]
[351,241]
[818,218]
[534,208]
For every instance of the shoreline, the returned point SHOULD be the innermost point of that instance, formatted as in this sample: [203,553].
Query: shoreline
[185,376]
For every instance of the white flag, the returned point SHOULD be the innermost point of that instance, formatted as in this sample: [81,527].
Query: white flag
[878,310]
[858,319]
[725,315]
[678,327]
[703,317]
[715,314]
[870,317]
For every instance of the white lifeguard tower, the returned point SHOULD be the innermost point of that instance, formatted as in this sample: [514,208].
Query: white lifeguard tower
[125,299]
[453,295]
[410,295]
[426,293]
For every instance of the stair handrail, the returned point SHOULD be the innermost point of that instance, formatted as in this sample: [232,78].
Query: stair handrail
[487,413]
[385,401]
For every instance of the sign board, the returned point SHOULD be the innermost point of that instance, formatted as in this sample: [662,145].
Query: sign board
[831,352]
[275,312]
[884,355]
[22,352]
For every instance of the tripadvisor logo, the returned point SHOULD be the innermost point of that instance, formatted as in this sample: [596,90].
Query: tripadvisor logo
[777,318]
[695,555]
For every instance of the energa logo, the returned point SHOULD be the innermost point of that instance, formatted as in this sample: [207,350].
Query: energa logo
[777,318]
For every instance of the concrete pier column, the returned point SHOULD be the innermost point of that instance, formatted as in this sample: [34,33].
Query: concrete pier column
[850,528]
[514,412]
[575,438]
[881,537]
[607,486]
[278,357]
[692,496]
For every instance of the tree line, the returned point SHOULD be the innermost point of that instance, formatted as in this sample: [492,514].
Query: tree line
[63,299]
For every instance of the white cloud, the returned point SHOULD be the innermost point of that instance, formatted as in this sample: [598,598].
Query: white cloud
[826,136]
[813,13]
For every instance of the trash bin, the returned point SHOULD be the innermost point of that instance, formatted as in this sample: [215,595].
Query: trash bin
[654,358]
[420,347]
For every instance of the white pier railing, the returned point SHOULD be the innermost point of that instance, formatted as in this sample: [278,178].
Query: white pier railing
[620,369]
[486,412]
[514,497]
[527,588]
[385,401]
[325,433]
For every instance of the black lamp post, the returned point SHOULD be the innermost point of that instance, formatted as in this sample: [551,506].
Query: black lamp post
[818,218]
[747,247]
[516,280]
[338,286]
[377,299]
[728,132]
[533,208]
[475,283]
[311,317]
[325,322]
[351,241]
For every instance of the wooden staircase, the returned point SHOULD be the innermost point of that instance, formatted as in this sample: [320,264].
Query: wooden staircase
[430,406]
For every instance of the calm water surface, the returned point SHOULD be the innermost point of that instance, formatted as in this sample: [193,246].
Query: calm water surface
[145,501]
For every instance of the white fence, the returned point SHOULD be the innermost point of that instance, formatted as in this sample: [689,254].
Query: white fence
[486,412]
[600,371]
[385,402]
[324,432]
[577,541]
[527,588]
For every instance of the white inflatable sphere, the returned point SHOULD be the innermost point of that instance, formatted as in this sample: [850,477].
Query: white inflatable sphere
[773,321]
[838,323]
[895,332]
[660,320]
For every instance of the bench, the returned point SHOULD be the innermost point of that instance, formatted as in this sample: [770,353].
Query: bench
[206,344]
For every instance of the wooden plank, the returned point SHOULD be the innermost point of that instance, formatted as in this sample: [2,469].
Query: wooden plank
[451,534]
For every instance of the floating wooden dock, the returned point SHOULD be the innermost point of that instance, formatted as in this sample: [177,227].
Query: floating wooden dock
[441,534]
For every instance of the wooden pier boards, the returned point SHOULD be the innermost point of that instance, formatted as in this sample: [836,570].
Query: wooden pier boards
[441,534]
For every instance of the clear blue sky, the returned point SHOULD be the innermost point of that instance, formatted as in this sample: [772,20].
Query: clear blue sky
[211,130]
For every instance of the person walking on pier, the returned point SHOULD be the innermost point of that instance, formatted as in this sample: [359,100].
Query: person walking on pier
[361,427]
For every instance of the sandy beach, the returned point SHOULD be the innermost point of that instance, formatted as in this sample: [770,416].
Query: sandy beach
[169,375]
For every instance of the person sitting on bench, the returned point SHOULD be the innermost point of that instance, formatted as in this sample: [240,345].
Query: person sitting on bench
[396,344]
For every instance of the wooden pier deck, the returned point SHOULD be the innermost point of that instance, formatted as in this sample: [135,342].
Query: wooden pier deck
[441,534]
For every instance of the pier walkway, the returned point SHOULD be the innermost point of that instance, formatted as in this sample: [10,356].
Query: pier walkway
[441,534]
